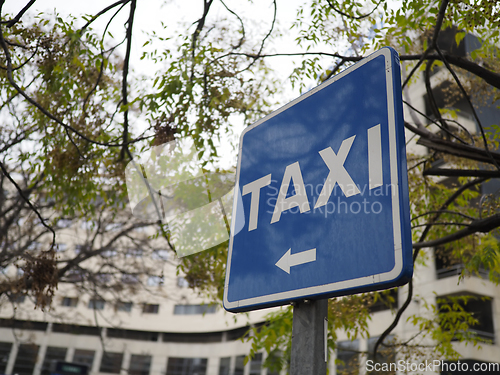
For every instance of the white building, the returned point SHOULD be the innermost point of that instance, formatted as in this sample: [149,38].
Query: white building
[173,332]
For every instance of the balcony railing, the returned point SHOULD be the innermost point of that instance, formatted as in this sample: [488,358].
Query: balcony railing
[456,270]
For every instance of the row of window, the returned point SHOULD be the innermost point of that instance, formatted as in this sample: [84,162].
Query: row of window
[128,334]
[448,265]
[109,253]
[99,304]
[129,279]
[147,308]
[112,362]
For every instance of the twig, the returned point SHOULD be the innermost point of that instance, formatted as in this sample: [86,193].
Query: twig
[17,18]
[350,16]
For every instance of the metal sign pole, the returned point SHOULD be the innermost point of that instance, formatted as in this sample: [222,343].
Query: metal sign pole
[309,333]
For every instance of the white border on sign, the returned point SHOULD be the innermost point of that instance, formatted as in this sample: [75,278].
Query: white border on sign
[398,247]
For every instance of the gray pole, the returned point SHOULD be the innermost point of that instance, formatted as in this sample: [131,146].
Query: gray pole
[309,338]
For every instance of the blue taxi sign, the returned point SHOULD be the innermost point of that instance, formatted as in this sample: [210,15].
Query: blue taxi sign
[322,186]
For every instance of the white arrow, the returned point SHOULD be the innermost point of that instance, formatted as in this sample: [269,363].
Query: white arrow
[289,260]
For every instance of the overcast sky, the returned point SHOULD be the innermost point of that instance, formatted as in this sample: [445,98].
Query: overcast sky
[151,13]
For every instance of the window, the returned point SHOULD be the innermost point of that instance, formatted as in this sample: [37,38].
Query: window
[149,308]
[69,301]
[182,282]
[192,337]
[80,249]
[113,227]
[26,359]
[35,245]
[160,255]
[64,223]
[130,334]
[274,362]
[130,279]
[239,365]
[124,306]
[18,298]
[76,330]
[5,348]
[88,225]
[448,264]
[481,309]
[194,309]
[386,300]
[347,357]
[155,281]
[139,364]
[96,304]
[224,366]
[256,364]
[111,362]
[84,357]
[134,253]
[238,333]
[23,324]
[109,253]
[61,247]
[73,276]
[53,354]
[103,278]
[186,366]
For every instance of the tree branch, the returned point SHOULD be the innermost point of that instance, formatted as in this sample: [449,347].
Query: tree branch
[474,113]
[477,226]
[28,202]
[126,65]
[242,39]
[488,76]
[400,312]
[17,18]
[457,149]
[439,22]
[461,173]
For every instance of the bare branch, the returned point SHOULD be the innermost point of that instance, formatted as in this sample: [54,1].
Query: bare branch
[432,99]
[196,33]
[126,65]
[28,202]
[453,148]
[17,18]
[443,212]
[242,39]
[96,16]
[439,23]
[437,124]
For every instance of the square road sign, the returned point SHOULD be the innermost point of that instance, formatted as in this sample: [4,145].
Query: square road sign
[321,204]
